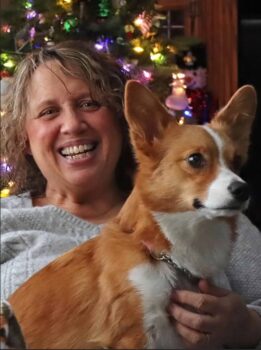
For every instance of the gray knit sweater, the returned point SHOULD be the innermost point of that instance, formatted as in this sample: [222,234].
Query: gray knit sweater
[31,237]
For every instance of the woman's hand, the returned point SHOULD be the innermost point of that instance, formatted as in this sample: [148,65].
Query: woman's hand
[215,317]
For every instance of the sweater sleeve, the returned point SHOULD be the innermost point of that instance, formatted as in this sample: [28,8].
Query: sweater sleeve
[11,242]
[31,237]
[244,272]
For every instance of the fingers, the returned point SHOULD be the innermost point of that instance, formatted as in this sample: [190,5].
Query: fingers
[192,338]
[198,322]
[206,287]
[202,303]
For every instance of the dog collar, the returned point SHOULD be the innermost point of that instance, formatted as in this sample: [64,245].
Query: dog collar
[163,256]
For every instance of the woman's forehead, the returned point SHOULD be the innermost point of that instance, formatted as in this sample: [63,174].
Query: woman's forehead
[50,83]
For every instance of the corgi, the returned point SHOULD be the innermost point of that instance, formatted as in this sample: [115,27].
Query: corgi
[178,225]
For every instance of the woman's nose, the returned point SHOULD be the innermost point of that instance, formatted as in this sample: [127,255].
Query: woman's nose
[72,122]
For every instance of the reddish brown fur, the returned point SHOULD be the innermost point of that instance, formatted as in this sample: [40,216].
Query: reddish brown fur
[89,317]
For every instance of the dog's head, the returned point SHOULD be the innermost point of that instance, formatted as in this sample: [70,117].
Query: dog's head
[190,167]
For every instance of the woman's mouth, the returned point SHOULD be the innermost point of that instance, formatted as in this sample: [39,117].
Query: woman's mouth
[78,151]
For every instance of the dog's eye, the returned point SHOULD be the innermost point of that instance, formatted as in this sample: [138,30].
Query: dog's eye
[196,160]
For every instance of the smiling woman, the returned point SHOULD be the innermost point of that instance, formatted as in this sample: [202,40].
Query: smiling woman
[63,118]
[68,122]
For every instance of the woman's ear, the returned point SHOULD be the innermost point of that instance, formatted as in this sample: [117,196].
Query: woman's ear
[28,147]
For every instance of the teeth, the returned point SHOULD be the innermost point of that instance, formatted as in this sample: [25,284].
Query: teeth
[78,156]
[74,150]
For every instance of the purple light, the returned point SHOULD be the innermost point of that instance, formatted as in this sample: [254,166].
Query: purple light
[5,168]
[102,44]
[188,113]
[98,46]
[32,32]
[31,14]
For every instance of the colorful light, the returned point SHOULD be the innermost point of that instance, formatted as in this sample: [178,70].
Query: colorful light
[147,75]
[6,28]
[138,49]
[28,5]
[102,44]
[189,59]
[4,167]
[69,24]
[5,192]
[4,56]
[65,4]
[157,57]
[138,21]
[31,14]
[9,64]
[104,10]
[32,32]
[181,121]
[128,28]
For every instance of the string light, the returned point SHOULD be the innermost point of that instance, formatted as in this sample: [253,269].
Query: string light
[31,14]
[5,192]
[6,28]
[28,5]
[9,64]
[138,21]
[138,49]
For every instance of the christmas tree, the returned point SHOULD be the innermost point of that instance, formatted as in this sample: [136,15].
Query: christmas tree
[132,31]
[128,30]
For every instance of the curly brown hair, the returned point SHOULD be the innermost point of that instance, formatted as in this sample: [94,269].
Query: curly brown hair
[106,81]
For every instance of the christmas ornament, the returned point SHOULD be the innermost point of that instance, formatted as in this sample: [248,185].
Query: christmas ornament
[178,99]
[195,78]
[65,4]
[104,9]
[144,23]
[6,28]
[199,101]
[189,59]
[70,23]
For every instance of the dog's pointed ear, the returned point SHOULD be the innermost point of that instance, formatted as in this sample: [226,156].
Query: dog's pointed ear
[146,116]
[236,118]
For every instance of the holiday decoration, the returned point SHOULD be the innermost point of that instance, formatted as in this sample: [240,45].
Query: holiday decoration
[178,99]
[178,102]
[144,22]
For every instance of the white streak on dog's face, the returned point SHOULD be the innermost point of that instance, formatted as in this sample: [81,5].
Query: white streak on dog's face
[219,194]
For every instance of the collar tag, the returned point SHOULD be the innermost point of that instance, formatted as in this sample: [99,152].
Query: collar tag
[162,256]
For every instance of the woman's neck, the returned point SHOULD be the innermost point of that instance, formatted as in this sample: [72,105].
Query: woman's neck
[94,207]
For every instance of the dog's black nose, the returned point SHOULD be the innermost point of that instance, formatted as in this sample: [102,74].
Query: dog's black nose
[239,190]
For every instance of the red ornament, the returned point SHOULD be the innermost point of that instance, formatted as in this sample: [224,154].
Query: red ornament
[200,102]
[4,74]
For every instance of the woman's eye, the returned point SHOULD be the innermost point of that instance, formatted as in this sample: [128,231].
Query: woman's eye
[90,105]
[48,112]
[196,160]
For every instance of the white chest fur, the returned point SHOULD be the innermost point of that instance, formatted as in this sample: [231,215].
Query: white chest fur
[154,283]
[199,245]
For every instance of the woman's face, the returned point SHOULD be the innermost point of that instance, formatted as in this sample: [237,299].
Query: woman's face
[75,142]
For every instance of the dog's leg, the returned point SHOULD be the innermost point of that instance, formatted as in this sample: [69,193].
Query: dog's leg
[11,336]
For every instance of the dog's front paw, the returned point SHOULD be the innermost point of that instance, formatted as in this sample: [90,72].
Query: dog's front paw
[11,336]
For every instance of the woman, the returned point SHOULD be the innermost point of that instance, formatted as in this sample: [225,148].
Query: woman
[72,171]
